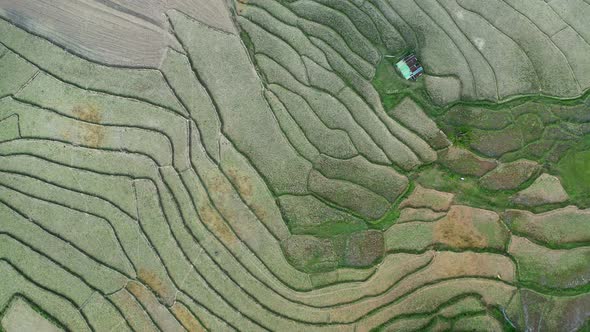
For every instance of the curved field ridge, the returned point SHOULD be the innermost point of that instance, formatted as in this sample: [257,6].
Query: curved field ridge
[237,166]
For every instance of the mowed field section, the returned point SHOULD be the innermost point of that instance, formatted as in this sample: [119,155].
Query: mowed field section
[124,33]
[260,165]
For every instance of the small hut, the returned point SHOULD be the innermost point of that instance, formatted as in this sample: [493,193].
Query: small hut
[410,68]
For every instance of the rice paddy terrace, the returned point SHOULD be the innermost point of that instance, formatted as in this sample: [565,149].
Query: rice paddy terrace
[261,165]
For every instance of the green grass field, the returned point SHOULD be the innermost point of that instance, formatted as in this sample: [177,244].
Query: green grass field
[574,169]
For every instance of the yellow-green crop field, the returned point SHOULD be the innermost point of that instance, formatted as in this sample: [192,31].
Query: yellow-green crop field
[260,165]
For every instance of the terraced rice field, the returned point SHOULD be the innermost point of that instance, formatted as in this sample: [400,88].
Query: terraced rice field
[259,165]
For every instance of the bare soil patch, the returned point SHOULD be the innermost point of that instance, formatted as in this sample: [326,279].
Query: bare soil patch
[218,226]
[466,227]
[158,285]
[457,230]
[186,318]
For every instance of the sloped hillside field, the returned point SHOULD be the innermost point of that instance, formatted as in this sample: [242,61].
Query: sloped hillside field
[250,165]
